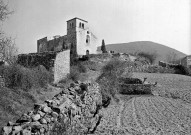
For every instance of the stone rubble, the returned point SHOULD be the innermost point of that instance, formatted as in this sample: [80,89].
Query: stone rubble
[73,107]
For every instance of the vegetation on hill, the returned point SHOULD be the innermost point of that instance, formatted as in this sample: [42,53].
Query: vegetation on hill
[109,78]
[162,51]
[17,76]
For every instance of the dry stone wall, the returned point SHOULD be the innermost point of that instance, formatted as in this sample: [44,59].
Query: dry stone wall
[79,103]
[61,66]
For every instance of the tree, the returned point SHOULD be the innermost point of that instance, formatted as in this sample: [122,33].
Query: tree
[8,50]
[103,48]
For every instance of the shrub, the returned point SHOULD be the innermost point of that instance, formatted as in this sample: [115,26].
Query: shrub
[25,78]
[108,79]
[180,69]
[158,69]
[74,73]
[81,68]
[91,65]
[150,56]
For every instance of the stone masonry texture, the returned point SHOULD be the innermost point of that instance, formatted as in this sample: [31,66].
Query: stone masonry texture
[61,66]
[80,104]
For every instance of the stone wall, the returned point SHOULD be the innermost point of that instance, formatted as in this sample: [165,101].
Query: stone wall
[61,66]
[35,59]
[58,43]
[72,105]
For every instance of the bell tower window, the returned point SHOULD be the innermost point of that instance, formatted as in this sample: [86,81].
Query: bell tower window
[80,24]
[83,25]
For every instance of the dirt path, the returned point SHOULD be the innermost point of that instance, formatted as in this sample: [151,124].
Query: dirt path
[121,108]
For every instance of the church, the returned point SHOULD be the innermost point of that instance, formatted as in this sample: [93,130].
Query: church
[79,39]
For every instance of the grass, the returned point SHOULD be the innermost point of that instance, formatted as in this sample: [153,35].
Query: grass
[13,103]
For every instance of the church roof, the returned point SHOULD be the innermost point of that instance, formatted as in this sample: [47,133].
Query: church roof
[78,19]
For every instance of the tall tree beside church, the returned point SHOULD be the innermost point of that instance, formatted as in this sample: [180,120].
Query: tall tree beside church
[103,48]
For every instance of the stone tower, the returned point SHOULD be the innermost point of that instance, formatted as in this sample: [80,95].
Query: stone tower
[82,40]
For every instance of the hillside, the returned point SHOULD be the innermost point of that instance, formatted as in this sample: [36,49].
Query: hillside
[145,46]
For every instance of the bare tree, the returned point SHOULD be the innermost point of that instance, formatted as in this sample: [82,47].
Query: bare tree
[8,50]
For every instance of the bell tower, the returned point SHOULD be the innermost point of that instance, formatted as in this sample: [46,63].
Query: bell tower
[78,35]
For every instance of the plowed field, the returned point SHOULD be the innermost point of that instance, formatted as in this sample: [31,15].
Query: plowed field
[147,115]
[151,115]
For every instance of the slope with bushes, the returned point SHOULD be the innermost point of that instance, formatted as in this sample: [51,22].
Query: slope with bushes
[162,51]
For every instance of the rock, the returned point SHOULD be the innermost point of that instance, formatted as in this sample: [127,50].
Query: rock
[7,130]
[26,131]
[57,102]
[41,113]
[54,119]
[56,109]
[54,114]
[36,117]
[11,123]
[53,103]
[36,125]
[48,102]
[23,118]
[46,109]
[17,129]
[72,85]
[25,125]
[58,96]
[48,119]
[60,116]
[43,121]
[78,82]
[30,113]
[42,130]
[38,106]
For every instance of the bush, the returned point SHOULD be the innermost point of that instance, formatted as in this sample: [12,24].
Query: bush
[25,78]
[74,73]
[150,56]
[81,68]
[180,69]
[91,65]
[108,80]
[158,69]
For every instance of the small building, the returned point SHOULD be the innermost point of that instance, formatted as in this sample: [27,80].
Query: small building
[79,39]
[186,61]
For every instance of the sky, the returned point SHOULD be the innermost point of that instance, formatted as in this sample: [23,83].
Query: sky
[116,21]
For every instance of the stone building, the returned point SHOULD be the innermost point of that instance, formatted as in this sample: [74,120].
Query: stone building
[79,39]
[186,61]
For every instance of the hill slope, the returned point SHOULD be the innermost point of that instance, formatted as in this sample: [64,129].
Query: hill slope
[145,46]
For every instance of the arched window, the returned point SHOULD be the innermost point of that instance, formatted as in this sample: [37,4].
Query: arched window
[80,24]
[87,52]
[87,39]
